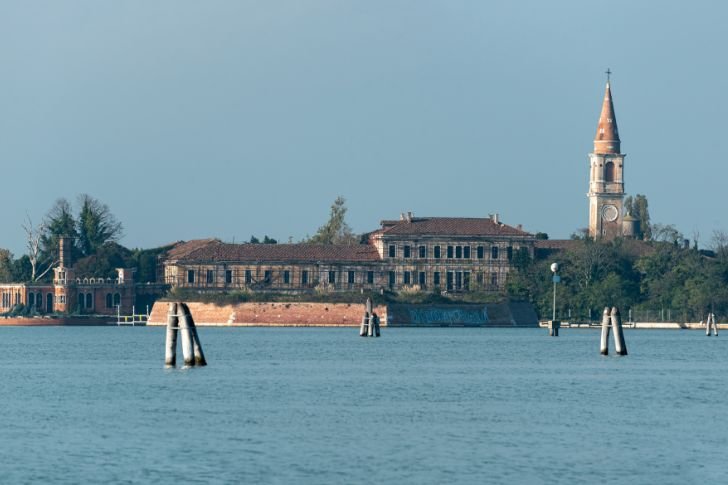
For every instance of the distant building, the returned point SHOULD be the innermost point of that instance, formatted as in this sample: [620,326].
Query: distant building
[418,253]
[68,293]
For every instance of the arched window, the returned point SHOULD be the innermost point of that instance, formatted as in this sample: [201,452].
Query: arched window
[81,301]
[117,299]
[609,172]
[39,300]
[31,300]
[89,300]
[109,301]
[49,302]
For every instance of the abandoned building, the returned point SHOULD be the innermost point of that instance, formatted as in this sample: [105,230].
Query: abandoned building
[68,293]
[452,254]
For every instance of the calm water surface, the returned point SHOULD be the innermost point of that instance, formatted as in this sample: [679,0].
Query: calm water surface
[310,405]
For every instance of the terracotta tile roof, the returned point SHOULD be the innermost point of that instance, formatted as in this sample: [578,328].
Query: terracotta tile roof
[607,137]
[216,251]
[450,226]
[183,248]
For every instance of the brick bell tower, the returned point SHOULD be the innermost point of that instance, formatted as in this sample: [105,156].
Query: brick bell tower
[606,179]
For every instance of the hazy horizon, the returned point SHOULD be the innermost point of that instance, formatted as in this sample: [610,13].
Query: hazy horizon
[229,119]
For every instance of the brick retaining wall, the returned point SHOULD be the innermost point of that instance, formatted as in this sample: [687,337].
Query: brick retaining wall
[272,314]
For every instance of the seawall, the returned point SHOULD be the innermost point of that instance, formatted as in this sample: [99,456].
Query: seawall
[350,315]
[272,314]
[643,325]
[76,321]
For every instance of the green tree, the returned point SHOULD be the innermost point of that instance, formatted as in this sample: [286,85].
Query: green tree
[6,266]
[336,230]
[22,270]
[641,211]
[58,222]
[104,261]
[96,225]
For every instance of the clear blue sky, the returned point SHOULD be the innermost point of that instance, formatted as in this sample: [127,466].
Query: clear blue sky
[229,118]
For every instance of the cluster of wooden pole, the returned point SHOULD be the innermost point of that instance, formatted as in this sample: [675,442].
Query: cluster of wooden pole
[180,319]
[710,324]
[369,322]
[554,326]
[612,319]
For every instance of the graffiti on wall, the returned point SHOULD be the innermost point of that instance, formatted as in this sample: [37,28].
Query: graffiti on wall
[473,316]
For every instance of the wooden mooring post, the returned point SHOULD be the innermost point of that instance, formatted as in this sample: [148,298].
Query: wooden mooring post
[611,319]
[369,322]
[170,354]
[711,325]
[179,318]
[554,326]
[604,344]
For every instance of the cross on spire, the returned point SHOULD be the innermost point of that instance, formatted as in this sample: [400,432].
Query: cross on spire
[608,72]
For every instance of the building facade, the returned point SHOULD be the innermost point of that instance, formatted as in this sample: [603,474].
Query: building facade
[412,253]
[69,293]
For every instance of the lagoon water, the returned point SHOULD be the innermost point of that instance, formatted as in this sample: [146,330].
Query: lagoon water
[287,405]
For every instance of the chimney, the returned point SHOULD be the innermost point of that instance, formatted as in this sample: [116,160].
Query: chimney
[494,218]
[409,216]
[64,252]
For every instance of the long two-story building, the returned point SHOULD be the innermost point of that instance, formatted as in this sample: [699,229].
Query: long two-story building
[452,254]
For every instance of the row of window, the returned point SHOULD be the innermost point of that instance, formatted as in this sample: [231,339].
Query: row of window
[35,300]
[285,277]
[454,280]
[86,301]
[7,299]
[408,278]
[452,252]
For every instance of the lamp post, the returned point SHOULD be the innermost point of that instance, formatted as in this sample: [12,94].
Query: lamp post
[556,279]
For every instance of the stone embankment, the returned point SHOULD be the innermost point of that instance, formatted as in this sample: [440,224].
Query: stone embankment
[644,325]
[350,315]
[271,314]
[51,321]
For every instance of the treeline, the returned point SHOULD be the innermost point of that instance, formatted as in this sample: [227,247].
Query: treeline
[95,251]
[665,279]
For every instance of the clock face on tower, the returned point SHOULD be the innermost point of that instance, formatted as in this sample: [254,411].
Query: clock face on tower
[610,213]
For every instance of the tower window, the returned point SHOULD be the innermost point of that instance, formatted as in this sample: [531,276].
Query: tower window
[609,172]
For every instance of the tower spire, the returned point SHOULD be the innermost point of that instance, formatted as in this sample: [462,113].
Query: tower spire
[607,137]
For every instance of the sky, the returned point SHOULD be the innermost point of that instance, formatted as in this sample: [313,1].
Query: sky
[236,118]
